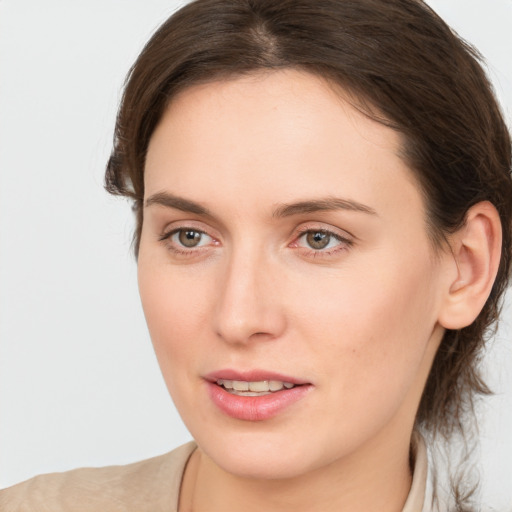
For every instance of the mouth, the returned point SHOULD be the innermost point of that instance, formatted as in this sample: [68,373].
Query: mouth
[254,388]
[254,395]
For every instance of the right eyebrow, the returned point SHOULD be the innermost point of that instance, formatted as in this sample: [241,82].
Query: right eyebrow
[178,203]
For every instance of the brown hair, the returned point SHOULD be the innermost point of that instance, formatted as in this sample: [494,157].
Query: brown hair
[407,70]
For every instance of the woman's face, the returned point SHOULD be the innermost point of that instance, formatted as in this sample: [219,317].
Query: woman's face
[284,240]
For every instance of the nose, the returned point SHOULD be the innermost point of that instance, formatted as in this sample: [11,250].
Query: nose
[249,306]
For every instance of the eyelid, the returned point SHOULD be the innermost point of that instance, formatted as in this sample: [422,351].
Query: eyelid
[166,236]
[326,228]
[170,234]
[191,224]
[344,238]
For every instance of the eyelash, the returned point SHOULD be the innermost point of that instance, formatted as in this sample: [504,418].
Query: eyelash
[344,243]
[182,251]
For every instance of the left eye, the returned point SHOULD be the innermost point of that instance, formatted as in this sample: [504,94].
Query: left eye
[190,238]
[319,240]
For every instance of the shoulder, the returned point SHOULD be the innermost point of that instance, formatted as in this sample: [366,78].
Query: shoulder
[148,485]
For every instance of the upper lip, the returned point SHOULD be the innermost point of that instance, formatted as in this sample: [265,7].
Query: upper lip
[254,375]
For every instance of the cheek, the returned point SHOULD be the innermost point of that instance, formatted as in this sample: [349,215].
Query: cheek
[176,318]
[176,314]
[371,326]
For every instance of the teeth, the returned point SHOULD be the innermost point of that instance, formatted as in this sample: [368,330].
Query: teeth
[262,385]
[275,385]
[254,388]
[240,385]
[228,384]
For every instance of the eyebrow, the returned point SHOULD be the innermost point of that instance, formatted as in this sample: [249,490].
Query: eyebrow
[318,205]
[286,210]
[179,203]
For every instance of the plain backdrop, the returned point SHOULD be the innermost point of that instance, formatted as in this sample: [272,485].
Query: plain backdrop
[79,384]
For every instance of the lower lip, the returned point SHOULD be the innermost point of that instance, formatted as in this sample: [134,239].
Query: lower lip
[255,408]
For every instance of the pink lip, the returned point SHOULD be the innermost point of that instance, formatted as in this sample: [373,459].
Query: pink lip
[254,408]
[251,376]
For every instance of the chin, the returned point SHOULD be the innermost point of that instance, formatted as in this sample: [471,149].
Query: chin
[257,465]
[265,455]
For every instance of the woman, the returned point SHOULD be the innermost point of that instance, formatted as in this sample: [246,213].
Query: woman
[320,253]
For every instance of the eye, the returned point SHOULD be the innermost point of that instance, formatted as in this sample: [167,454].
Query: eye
[317,239]
[322,241]
[187,238]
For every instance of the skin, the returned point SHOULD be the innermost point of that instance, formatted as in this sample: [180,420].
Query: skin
[358,320]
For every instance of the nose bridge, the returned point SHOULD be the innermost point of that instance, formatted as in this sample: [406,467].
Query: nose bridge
[247,302]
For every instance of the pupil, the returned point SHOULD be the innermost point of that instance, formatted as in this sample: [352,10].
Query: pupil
[318,240]
[189,238]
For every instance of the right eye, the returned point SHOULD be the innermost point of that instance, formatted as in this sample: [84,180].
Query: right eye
[182,239]
[190,238]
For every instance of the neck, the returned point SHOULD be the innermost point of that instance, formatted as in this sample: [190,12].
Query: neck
[375,479]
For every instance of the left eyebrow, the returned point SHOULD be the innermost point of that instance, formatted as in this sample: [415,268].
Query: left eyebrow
[318,205]
[178,203]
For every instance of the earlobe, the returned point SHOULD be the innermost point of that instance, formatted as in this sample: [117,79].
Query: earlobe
[476,250]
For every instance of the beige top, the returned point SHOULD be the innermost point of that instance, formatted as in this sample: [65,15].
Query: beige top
[151,485]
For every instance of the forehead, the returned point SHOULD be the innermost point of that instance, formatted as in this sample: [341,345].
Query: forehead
[289,130]
[293,99]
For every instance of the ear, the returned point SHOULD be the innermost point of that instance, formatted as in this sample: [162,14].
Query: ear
[476,251]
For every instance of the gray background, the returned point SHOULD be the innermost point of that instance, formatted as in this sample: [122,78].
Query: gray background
[79,384]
